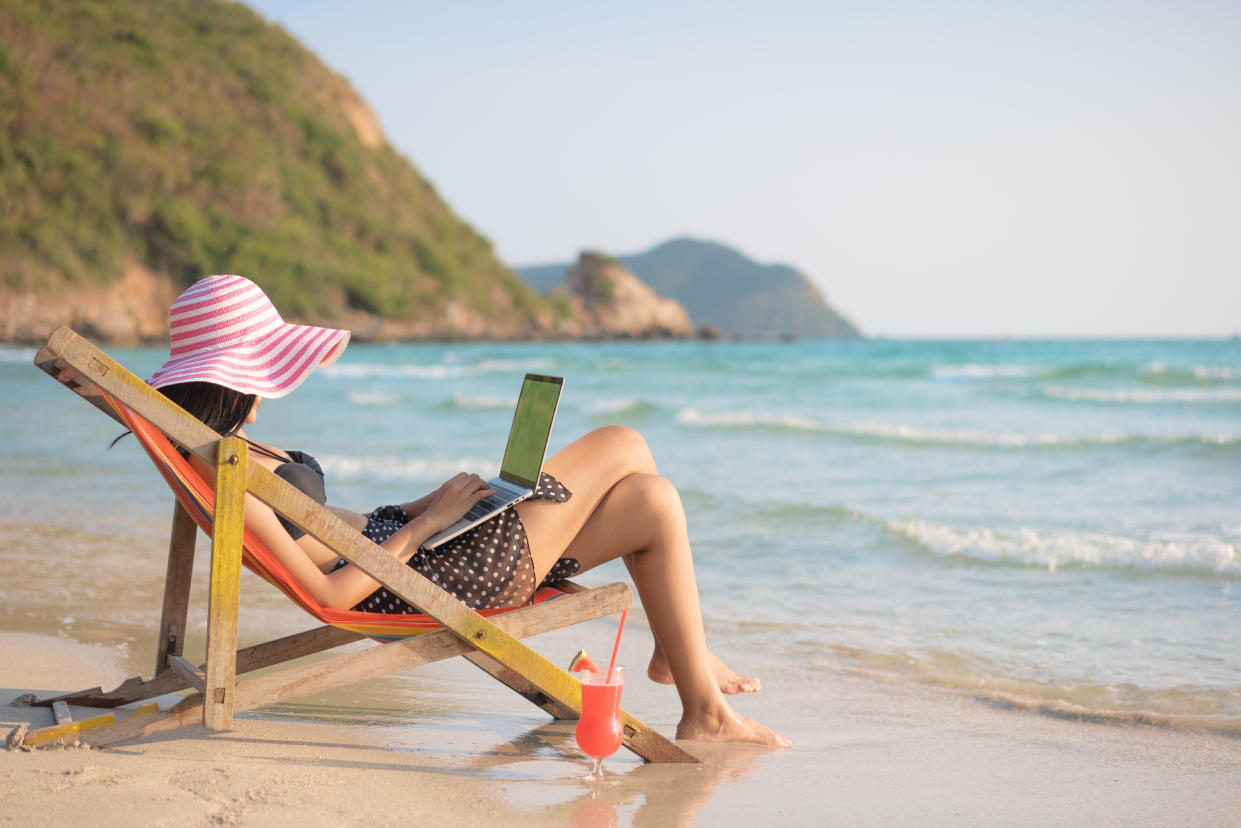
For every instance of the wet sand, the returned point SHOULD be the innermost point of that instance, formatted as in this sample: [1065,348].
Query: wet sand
[864,753]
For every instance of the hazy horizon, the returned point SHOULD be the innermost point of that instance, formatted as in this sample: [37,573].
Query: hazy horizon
[1054,171]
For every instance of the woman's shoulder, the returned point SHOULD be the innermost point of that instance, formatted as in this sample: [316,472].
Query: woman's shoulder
[305,459]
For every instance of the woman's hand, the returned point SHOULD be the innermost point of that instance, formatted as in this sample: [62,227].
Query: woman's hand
[452,500]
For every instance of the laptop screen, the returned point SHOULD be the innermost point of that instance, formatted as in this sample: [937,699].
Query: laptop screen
[532,426]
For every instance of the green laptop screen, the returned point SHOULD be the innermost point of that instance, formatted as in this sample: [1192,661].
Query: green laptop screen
[532,426]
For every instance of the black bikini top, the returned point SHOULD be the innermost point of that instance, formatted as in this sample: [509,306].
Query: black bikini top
[303,472]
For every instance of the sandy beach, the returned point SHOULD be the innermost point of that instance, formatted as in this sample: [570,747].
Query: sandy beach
[875,753]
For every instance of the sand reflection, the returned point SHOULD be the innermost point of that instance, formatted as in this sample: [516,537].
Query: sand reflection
[632,792]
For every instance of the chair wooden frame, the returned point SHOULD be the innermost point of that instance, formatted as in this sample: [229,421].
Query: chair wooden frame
[491,643]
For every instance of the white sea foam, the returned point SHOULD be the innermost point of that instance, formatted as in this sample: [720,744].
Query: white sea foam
[499,366]
[974,370]
[379,398]
[1214,372]
[484,401]
[1198,373]
[964,436]
[1144,395]
[693,416]
[365,370]
[613,406]
[902,432]
[436,371]
[1164,551]
[391,468]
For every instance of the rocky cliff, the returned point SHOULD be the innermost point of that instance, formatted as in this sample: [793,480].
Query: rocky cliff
[603,300]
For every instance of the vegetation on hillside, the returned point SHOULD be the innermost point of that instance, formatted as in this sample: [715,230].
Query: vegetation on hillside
[595,282]
[194,137]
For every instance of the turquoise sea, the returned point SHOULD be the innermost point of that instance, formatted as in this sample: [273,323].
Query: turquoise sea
[1044,524]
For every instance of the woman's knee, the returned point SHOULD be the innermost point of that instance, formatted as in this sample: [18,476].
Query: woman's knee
[626,447]
[655,498]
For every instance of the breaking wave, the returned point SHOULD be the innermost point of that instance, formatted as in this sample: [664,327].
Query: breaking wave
[389,468]
[974,371]
[376,398]
[435,371]
[1143,396]
[480,402]
[1186,553]
[619,405]
[920,435]
[1153,373]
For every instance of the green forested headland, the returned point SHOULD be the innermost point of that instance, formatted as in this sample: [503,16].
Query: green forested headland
[193,137]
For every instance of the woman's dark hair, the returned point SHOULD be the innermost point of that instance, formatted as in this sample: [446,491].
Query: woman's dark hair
[221,409]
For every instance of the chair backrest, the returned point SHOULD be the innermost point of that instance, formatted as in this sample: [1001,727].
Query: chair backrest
[198,499]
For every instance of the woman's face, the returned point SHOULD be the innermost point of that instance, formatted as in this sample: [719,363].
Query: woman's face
[254,410]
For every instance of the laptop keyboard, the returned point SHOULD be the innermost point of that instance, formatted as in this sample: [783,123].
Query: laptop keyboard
[487,505]
[503,495]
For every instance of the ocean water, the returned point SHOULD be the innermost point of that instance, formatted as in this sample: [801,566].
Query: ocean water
[1043,524]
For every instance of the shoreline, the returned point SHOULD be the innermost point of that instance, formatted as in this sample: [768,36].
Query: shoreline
[867,753]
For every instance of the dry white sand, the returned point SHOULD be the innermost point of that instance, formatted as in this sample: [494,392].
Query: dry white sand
[868,753]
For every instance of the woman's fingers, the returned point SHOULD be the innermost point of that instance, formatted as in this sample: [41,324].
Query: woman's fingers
[455,498]
[468,482]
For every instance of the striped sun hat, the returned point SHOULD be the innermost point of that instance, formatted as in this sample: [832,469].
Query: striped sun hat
[225,330]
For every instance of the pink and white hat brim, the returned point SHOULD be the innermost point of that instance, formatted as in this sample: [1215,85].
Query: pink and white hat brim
[224,330]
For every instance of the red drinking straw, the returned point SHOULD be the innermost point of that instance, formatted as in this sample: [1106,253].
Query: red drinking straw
[620,629]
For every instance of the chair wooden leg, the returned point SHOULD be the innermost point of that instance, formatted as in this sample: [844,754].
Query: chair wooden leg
[255,657]
[176,587]
[338,671]
[226,542]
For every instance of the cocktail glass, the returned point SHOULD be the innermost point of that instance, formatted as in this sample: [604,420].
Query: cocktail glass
[599,732]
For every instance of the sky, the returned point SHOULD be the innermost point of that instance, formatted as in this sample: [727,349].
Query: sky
[937,169]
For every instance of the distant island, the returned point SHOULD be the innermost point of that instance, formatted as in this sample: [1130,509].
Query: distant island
[722,288]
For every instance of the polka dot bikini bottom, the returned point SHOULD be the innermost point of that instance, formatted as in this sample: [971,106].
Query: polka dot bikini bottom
[488,566]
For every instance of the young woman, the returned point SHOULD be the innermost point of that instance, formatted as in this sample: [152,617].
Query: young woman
[599,499]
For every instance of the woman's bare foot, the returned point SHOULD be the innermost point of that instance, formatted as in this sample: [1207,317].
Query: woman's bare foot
[727,726]
[730,682]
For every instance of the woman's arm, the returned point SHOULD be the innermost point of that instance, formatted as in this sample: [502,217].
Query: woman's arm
[324,556]
[345,587]
[416,507]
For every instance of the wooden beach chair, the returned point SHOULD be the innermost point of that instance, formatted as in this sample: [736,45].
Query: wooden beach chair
[448,628]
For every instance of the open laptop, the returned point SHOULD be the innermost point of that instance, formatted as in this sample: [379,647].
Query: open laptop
[523,456]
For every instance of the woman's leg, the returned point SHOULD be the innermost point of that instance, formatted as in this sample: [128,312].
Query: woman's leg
[620,510]
[658,671]
[590,467]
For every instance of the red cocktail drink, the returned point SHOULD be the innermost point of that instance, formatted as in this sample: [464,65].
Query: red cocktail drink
[599,732]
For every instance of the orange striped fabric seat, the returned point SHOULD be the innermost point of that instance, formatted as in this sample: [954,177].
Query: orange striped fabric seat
[198,499]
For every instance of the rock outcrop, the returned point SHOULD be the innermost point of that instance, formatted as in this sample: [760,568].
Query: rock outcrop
[603,300]
[129,311]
